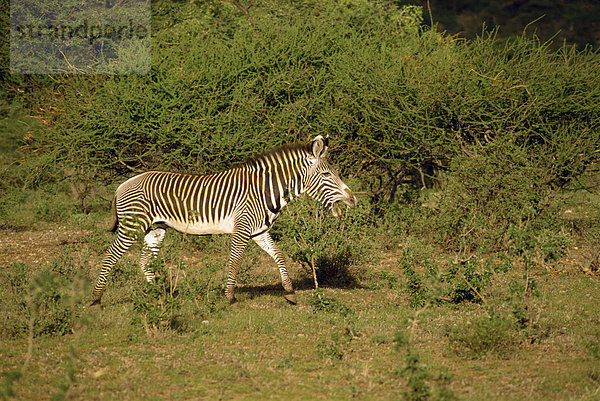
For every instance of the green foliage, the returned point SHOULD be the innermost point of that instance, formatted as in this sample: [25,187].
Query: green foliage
[390,280]
[323,303]
[496,126]
[10,379]
[419,375]
[175,300]
[593,349]
[50,304]
[335,247]
[525,313]
[423,283]
[157,304]
[333,349]
[431,280]
[324,72]
[487,335]
[330,349]
[467,280]
[205,288]
[44,303]
[13,302]
[511,319]
[415,287]
[20,208]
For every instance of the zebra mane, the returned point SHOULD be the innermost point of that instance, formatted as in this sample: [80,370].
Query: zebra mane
[287,149]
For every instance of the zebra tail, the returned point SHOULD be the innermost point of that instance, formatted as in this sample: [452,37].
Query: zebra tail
[115,220]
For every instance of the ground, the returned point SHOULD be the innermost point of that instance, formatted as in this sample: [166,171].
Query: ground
[264,348]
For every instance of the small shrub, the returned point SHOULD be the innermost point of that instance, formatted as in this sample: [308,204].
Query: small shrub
[591,342]
[11,378]
[415,287]
[593,349]
[390,279]
[17,276]
[10,202]
[157,304]
[13,300]
[419,377]
[335,247]
[553,244]
[421,287]
[418,389]
[204,288]
[44,304]
[485,336]
[525,311]
[466,280]
[51,304]
[323,303]
[331,349]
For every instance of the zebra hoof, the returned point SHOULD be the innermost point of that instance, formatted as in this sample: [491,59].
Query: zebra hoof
[95,304]
[232,301]
[291,298]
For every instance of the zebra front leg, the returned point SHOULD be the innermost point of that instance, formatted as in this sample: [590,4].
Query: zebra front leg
[117,249]
[239,241]
[152,242]
[265,241]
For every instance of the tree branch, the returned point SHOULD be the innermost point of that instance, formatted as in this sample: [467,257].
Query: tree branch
[245,10]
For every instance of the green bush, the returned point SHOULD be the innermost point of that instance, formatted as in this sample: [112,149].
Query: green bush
[335,247]
[419,376]
[159,306]
[484,336]
[330,349]
[13,301]
[47,301]
[178,299]
[424,283]
[496,126]
[50,305]
[42,305]
[404,97]
[466,280]
[323,303]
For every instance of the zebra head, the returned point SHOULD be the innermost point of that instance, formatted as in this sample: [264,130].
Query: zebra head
[323,182]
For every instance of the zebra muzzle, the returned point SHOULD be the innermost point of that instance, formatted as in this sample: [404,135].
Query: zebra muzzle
[349,200]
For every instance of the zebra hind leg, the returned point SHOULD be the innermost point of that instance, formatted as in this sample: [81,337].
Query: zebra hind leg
[269,246]
[117,249]
[152,243]
[239,241]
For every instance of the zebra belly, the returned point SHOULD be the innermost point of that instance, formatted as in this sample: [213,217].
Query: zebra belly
[224,226]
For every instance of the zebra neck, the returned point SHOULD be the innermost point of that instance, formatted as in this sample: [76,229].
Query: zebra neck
[282,188]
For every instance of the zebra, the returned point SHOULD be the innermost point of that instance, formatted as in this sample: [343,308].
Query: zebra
[244,201]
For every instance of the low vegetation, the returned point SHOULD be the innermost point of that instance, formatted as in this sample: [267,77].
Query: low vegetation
[468,269]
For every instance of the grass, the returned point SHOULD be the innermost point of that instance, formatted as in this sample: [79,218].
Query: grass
[410,321]
[337,343]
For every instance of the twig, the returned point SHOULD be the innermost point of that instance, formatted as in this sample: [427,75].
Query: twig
[314,271]
[29,353]
[71,66]
[128,167]
[475,290]
[417,313]
[245,10]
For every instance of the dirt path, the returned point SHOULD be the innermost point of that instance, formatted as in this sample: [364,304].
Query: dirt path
[33,247]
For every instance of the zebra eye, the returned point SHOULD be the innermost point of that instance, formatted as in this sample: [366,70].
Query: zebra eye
[326,173]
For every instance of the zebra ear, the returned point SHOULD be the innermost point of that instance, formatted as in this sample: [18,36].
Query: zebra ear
[319,146]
